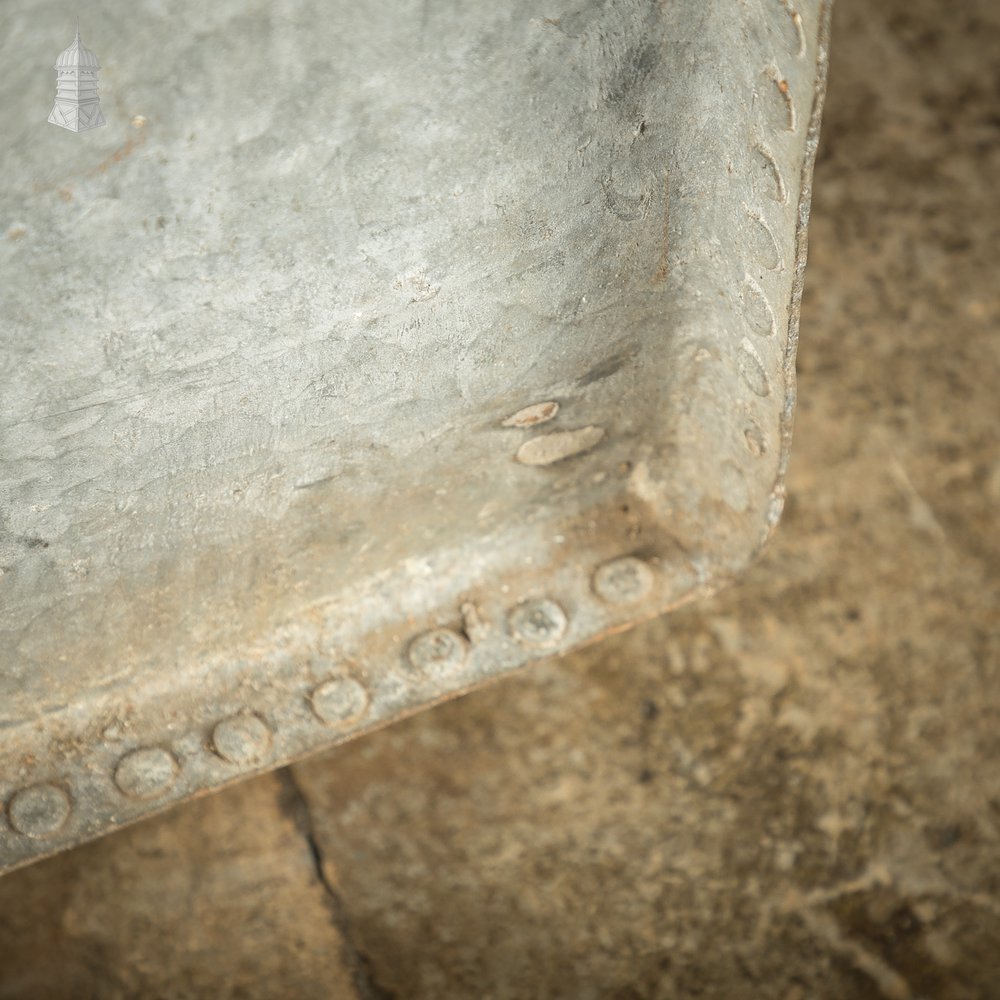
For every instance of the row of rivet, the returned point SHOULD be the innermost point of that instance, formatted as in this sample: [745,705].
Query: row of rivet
[245,738]
[756,308]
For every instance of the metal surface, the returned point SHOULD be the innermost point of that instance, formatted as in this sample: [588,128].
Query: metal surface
[369,354]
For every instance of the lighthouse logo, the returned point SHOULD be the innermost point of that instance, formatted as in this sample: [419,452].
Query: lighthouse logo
[77,106]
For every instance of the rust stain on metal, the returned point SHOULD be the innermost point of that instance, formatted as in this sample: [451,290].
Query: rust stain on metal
[530,416]
[126,149]
[785,90]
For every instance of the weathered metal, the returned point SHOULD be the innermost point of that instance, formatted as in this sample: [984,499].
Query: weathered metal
[370,353]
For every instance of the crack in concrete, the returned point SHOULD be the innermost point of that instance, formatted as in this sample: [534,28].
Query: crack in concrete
[296,806]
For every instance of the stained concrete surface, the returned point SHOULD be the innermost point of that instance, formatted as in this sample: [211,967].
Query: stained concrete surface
[789,791]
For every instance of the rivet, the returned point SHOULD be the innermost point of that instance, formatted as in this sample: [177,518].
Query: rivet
[752,369]
[538,622]
[147,772]
[756,309]
[440,651]
[764,246]
[623,580]
[339,701]
[554,447]
[754,437]
[38,811]
[775,188]
[800,33]
[241,739]
[782,88]
[734,488]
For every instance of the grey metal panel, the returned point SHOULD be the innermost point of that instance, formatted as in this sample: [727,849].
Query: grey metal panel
[371,352]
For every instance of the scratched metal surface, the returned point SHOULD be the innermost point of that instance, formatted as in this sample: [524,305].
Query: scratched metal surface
[372,351]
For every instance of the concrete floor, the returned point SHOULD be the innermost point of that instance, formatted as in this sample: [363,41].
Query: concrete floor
[790,791]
